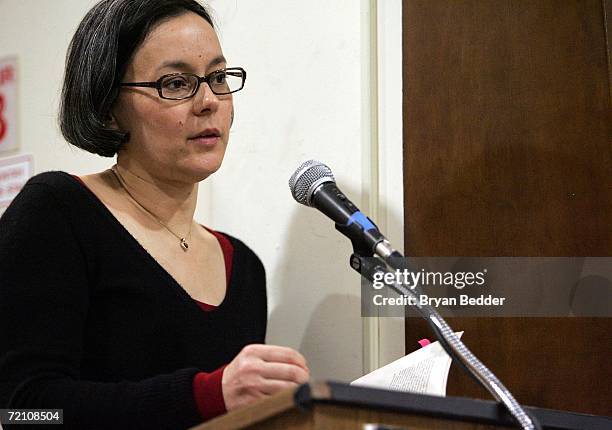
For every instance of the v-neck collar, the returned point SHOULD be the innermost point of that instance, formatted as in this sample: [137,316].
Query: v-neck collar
[146,255]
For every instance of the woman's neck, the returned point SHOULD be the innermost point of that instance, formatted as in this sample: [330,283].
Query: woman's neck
[172,202]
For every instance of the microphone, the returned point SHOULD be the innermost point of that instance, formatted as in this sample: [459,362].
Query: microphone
[313,185]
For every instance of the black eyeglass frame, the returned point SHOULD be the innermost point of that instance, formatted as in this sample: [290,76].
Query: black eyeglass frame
[158,84]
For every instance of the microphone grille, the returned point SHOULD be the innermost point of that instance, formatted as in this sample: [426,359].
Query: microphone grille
[307,178]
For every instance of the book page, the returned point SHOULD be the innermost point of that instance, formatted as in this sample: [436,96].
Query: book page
[423,371]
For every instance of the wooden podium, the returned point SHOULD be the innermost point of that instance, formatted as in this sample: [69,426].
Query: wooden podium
[337,406]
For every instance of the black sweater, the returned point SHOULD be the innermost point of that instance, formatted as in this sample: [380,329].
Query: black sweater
[90,323]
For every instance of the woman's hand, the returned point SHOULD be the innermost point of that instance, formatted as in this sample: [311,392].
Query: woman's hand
[259,371]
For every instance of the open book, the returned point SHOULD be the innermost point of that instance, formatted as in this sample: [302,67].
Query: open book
[423,371]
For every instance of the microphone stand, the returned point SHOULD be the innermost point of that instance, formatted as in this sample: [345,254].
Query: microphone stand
[368,265]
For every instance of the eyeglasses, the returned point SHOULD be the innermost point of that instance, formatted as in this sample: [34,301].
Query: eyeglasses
[179,86]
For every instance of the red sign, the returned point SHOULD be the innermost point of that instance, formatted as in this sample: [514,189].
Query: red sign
[8,104]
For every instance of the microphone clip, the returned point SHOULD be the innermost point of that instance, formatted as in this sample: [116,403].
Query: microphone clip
[355,233]
[363,234]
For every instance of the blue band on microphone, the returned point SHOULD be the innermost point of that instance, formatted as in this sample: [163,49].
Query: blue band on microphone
[359,218]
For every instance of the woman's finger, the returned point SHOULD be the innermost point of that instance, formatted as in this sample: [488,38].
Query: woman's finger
[279,354]
[273,386]
[284,372]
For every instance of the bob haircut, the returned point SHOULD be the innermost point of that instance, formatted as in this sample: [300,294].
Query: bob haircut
[97,59]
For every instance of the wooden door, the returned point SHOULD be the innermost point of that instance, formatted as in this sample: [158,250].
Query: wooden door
[508,152]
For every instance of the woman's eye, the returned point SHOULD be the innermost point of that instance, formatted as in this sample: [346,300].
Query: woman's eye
[176,84]
[220,78]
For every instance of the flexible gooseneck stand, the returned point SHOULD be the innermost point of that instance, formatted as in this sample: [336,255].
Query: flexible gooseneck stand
[368,265]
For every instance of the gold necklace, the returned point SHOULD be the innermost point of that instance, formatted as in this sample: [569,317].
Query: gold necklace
[183,240]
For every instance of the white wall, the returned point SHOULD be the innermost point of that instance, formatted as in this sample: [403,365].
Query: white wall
[308,95]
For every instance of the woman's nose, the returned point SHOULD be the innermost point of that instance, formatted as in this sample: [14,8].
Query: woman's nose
[205,100]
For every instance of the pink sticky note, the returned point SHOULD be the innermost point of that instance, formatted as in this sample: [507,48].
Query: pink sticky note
[424,342]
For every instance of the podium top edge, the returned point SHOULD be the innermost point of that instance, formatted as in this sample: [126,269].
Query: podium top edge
[456,408]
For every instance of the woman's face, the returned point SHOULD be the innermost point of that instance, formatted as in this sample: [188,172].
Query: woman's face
[163,133]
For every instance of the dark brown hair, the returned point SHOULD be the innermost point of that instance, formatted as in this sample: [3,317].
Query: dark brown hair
[97,59]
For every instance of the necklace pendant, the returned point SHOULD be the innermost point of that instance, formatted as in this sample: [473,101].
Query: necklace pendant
[184,244]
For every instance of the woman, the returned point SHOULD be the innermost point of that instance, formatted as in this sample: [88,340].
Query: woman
[115,305]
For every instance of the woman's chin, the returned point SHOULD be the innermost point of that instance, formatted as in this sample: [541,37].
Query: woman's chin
[205,168]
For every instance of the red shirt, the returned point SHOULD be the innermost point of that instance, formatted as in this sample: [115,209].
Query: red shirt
[207,389]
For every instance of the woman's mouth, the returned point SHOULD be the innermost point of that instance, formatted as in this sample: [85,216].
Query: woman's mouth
[208,137]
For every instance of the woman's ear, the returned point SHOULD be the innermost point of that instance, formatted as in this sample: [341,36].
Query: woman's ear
[110,121]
